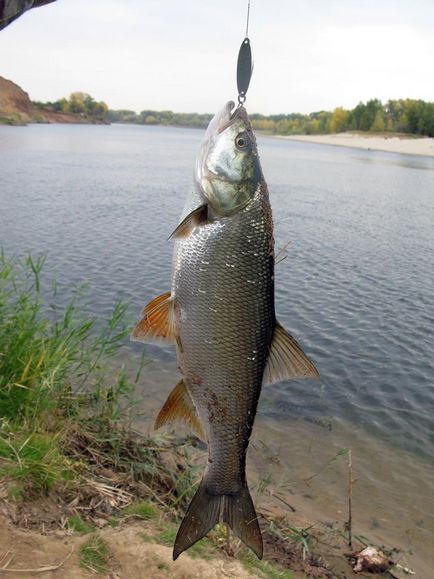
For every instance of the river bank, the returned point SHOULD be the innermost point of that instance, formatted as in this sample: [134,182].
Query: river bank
[82,491]
[391,144]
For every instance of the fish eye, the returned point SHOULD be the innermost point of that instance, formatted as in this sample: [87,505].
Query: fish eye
[241,141]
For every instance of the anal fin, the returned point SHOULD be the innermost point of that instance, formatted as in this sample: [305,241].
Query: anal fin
[179,407]
[158,321]
[286,359]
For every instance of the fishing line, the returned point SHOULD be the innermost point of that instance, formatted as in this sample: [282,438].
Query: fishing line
[248,18]
[244,64]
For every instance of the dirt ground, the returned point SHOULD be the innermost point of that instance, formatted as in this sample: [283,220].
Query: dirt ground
[29,554]
[135,553]
[37,539]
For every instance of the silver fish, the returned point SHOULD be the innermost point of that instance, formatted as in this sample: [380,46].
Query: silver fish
[220,314]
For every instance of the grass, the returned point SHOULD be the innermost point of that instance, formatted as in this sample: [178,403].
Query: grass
[300,537]
[54,370]
[167,536]
[202,548]
[33,457]
[254,565]
[78,525]
[142,510]
[94,555]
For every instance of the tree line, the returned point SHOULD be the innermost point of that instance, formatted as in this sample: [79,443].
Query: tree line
[79,103]
[395,116]
[169,118]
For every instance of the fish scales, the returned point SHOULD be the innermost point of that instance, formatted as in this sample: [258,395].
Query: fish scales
[224,308]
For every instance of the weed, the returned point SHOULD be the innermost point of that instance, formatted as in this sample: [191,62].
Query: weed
[94,555]
[253,564]
[299,536]
[185,482]
[78,525]
[35,458]
[15,493]
[168,535]
[54,368]
[263,484]
[200,549]
[341,452]
[142,510]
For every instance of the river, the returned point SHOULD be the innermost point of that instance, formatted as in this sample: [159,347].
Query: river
[356,288]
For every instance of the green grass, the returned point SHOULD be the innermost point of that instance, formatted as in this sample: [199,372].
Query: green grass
[54,371]
[33,457]
[301,537]
[254,565]
[15,493]
[114,522]
[94,555]
[202,548]
[78,525]
[142,510]
[167,535]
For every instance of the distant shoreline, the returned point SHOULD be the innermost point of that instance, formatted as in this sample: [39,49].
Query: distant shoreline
[422,146]
[388,143]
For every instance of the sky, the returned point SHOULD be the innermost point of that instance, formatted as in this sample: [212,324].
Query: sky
[180,55]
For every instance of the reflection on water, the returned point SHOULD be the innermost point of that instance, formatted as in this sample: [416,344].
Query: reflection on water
[424,163]
[357,287]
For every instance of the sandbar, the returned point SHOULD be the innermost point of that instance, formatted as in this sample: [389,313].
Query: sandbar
[391,144]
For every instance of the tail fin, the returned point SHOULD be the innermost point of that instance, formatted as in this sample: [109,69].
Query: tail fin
[204,512]
[239,513]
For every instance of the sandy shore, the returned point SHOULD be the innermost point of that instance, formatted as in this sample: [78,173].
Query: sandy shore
[393,144]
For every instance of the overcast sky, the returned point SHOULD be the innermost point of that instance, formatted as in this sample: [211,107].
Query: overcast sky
[309,55]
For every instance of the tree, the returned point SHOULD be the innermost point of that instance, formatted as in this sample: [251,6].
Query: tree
[339,120]
[76,103]
[378,124]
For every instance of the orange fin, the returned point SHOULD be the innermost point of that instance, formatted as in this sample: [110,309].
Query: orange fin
[158,321]
[179,407]
[198,216]
[286,359]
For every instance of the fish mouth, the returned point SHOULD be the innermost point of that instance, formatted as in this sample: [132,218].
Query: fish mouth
[228,116]
[223,119]
[239,113]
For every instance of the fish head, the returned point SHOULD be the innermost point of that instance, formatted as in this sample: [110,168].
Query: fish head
[227,169]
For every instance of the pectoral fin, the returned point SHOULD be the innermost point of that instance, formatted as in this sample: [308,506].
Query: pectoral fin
[179,407]
[286,359]
[158,322]
[197,217]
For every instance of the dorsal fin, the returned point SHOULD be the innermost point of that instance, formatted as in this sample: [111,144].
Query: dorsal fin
[180,407]
[286,359]
[158,322]
[198,216]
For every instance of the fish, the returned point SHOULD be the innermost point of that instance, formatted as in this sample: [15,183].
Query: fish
[220,314]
